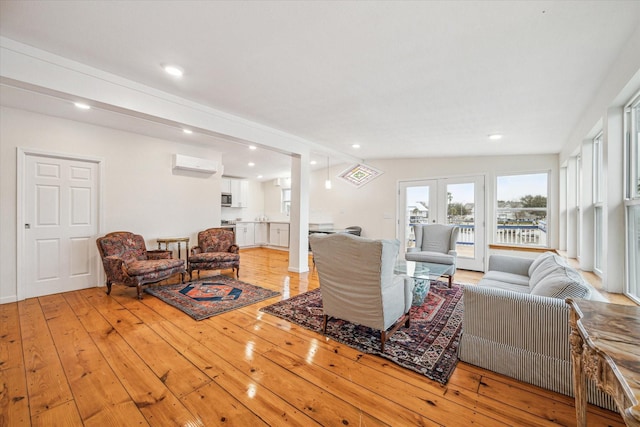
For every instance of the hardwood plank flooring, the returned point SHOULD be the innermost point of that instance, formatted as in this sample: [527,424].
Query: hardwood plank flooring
[85,358]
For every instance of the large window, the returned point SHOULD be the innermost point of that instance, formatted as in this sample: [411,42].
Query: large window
[632,201]
[598,205]
[522,209]
[286,201]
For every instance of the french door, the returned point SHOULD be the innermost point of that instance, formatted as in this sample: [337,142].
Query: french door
[458,201]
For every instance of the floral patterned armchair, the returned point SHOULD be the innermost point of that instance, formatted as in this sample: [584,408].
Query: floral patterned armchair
[127,261]
[215,251]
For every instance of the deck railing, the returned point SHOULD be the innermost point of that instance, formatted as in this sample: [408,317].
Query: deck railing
[512,234]
[528,235]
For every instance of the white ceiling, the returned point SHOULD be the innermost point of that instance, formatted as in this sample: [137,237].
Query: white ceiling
[402,79]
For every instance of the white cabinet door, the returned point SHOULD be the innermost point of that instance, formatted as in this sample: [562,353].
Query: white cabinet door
[279,234]
[225,185]
[261,233]
[245,234]
[239,193]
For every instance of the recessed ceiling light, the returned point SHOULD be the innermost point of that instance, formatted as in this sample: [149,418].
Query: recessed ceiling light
[495,136]
[253,147]
[173,70]
[189,131]
[355,146]
[259,176]
[251,164]
[82,106]
[313,162]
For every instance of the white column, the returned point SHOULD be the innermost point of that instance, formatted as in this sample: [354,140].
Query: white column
[299,218]
[587,227]
[614,229]
[572,212]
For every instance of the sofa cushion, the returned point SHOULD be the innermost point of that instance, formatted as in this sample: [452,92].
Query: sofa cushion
[501,276]
[489,283]
[563,283]
[548,265]
[214,257]
[427,256]
[144,267]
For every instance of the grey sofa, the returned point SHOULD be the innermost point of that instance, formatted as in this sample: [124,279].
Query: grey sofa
[516,322]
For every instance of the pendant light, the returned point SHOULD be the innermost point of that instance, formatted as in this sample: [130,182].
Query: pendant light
[327,183]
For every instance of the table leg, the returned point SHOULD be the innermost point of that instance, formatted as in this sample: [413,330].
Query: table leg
[179,244]
[579,379]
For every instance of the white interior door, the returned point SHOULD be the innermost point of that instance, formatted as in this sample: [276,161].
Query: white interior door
[60,225]
[457,201]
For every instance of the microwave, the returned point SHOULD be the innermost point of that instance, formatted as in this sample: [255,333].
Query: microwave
[225,199]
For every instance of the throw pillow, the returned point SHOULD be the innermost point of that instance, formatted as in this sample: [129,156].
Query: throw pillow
[536,262]
[563,284]
[547,266]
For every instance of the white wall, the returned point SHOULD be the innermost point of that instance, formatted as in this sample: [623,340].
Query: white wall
[272,201]
[142,193]
[374,206]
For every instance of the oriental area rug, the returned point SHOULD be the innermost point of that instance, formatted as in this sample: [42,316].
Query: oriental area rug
[213,295]
[429,346]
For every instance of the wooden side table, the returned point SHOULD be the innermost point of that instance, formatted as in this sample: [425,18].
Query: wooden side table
[178,240]
[605,347]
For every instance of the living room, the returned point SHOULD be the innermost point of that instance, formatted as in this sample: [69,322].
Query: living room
[140,192]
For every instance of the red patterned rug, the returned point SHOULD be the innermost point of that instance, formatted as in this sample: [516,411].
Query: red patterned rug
[213,295]
[429,346]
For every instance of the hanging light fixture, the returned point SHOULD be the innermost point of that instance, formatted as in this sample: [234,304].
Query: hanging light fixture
[327,183]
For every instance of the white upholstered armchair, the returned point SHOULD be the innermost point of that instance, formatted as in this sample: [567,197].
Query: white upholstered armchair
[358,284]
[435,243]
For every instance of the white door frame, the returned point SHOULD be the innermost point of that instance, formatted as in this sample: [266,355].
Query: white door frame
[21,208]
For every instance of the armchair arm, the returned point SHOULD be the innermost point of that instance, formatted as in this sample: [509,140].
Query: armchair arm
[114,267]
[408,292]
[234,249]
[510,264]
[159,254]
[530,322]
[413,249]
[196,250]
[453,253]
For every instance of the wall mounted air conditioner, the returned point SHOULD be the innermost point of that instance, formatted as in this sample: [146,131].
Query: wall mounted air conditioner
[194,164]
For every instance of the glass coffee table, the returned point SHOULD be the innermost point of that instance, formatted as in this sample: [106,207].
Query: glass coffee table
[422,273]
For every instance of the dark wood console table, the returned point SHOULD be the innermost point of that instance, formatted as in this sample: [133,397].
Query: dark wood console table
[605,347]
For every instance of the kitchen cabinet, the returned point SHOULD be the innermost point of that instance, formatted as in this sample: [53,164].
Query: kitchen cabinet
[261,233]
[225,185]
[279,234]
[239,189]
[245,234]
[239,193]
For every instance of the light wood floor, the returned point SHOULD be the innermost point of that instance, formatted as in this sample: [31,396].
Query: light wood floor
[85,358]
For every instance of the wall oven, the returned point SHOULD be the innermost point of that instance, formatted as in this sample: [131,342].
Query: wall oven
[225,199]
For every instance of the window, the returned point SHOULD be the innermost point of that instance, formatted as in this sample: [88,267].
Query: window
[633,251]
[598,205]
[598,177]
[286,201]
[632,202]
[521,209]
